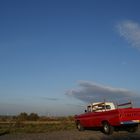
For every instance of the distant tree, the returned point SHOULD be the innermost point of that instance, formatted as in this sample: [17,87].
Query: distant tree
[33,117]
[23,116]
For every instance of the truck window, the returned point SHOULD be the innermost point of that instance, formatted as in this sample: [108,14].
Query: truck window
[89,109]
[108,107]
[104,107]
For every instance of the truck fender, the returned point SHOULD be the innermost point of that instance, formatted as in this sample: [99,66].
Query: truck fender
[79,125]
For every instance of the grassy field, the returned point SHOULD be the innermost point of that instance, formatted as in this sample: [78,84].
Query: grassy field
[35,126]
[56,130]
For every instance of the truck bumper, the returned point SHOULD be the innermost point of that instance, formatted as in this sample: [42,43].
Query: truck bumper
[130,122]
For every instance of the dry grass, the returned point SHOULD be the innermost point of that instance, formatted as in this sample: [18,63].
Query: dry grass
[35,126]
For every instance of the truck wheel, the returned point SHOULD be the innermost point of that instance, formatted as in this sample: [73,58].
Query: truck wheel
[80,127]
[107,128]
[132,129]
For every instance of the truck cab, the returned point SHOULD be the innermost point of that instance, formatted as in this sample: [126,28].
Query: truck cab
[100,107]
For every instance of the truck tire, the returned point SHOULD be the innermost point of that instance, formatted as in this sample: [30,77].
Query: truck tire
[79,126]
[132,129]
[107,128]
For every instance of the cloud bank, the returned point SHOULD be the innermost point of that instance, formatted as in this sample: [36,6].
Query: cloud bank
[130,30]
[90,92]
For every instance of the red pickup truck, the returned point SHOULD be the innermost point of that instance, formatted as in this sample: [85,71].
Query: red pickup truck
[109,117]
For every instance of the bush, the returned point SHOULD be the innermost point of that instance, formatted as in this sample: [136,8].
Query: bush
[33,117]
[22,116]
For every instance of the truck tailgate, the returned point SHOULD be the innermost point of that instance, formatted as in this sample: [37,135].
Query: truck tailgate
[129,116]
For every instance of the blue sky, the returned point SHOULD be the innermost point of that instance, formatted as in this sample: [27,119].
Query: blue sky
[55,54]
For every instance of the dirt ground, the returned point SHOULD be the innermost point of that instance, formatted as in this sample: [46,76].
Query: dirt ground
[73,135]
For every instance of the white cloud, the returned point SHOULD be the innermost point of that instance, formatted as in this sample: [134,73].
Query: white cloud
[89,92]
[130,30]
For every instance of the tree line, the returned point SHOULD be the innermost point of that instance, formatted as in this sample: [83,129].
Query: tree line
[23,116]
[30,117]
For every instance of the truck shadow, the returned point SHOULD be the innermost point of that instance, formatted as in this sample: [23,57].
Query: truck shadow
[120,135]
